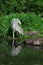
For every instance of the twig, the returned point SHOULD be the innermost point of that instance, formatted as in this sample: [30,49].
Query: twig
[8,38]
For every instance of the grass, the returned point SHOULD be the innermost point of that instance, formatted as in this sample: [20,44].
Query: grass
[30,21]
[27,56]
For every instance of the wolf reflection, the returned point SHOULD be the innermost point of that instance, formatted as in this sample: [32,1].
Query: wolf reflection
[12,31]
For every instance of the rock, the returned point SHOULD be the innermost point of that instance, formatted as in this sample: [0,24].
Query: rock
[34,42]
[38,41]
[32,33]
[29,41]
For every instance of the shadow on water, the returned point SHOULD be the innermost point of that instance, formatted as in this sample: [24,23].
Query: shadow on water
[9,34]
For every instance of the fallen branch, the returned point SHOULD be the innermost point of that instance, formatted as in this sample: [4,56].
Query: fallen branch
[7,38]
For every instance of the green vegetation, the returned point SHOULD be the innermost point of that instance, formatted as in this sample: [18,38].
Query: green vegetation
[9,6]
[30,21]
[28,56]
[29,12]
